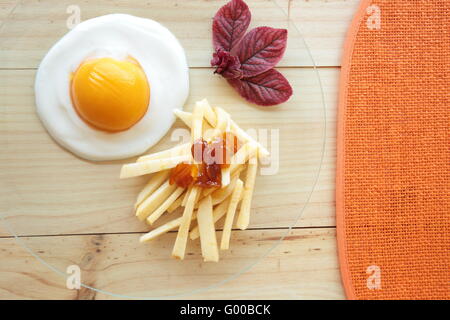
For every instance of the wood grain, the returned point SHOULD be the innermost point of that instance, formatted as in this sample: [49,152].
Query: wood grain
[79,212]
[6,7]
[35,25]
[47,190]
[303,266]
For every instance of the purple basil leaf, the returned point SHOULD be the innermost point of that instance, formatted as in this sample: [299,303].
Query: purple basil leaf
[266,89]
[230,24]
[261,49]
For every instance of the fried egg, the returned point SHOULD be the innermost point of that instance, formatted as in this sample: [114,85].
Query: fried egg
[108,88]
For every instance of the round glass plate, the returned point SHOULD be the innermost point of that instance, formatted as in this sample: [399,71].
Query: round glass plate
[67,211]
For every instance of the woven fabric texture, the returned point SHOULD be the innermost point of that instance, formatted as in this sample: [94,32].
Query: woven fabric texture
[393,170]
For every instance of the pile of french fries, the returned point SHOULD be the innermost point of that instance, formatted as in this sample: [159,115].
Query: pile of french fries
[202,207]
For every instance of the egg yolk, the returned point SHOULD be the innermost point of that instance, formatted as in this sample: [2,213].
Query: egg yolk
[110,95]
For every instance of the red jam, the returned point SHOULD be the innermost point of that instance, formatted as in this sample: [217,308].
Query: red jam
[210,158]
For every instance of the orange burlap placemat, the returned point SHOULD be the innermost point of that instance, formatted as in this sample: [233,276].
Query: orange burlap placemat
[393,169]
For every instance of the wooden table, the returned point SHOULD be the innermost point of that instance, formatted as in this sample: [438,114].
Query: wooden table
[102,239]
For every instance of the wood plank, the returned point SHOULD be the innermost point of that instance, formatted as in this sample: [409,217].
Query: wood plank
[36,25]
[303,266]
[46,190]
[324,24]
[6,7]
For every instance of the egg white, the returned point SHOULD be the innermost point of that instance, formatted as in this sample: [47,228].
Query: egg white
[118,36]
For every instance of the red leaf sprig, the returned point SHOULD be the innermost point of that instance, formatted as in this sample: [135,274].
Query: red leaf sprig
[247,61]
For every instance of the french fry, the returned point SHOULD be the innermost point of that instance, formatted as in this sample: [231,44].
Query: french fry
[207,230]
[198,195]
[210,114]
[207,192]
[208,131]
[235,197]
[154,200]
[213,126]
[179,248]
[164,206]
[151,166]
[236,172]
[244,213]
[197,122]
[177,203]
[184,116]
[245,137]
[213,133]
[226,176]
[172,152]
[163,229]
[181,201]
[223,120]
[156,180]
[221,194]
[186,196]
[244,153]
[208,205]
[218,212]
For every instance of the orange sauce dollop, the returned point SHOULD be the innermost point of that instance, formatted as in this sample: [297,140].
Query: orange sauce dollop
[210,158]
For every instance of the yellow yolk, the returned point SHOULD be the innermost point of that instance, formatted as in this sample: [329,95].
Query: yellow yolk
[109,94]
